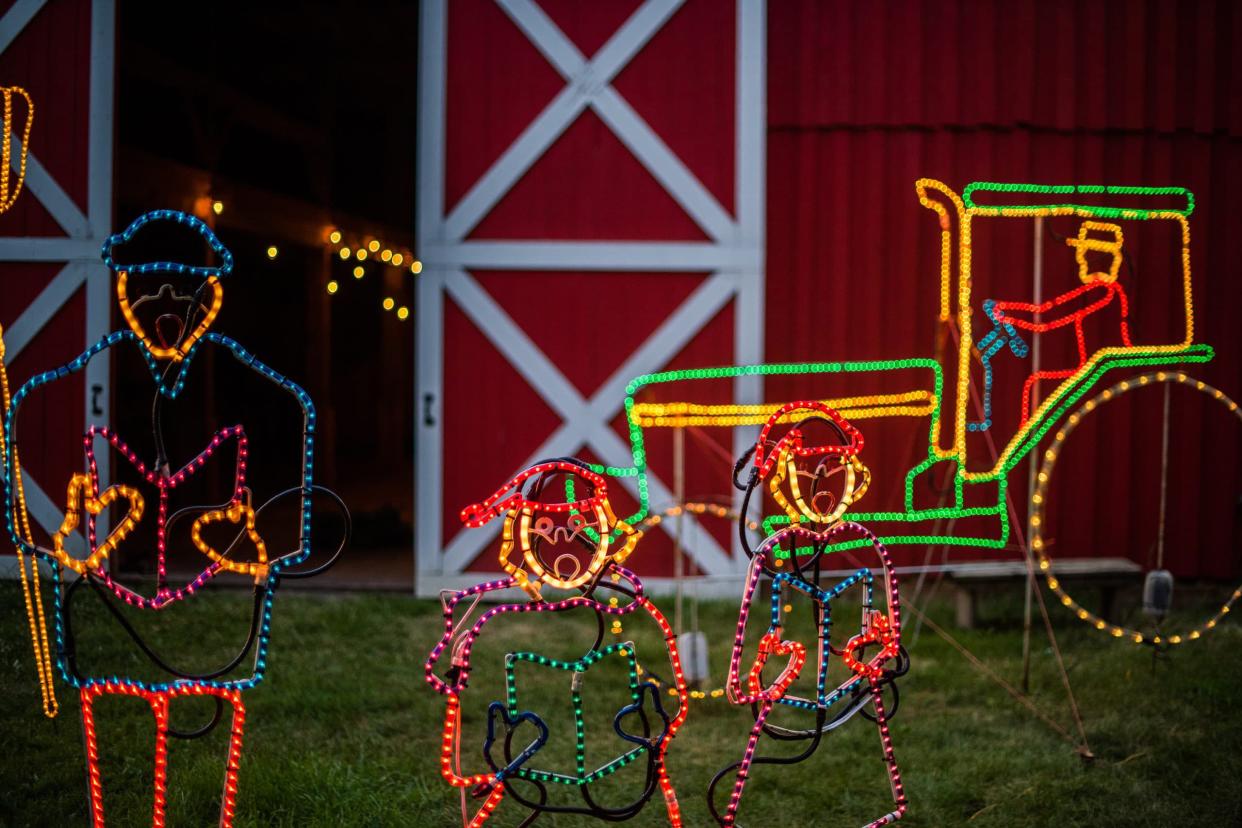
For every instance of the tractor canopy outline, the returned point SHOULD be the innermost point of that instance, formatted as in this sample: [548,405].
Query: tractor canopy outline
[947,441]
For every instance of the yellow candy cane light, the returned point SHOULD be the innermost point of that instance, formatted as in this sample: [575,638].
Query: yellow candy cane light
[31,592]
[8,194]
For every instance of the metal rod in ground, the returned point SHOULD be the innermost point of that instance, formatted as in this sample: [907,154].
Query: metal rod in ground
[1038,289]
[679,494]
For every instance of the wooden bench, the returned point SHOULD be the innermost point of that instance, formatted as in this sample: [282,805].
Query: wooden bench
[1106,574]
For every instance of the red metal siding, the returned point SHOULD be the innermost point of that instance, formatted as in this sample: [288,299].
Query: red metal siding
[50,58]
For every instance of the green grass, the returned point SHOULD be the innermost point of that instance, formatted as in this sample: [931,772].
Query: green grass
[346,732]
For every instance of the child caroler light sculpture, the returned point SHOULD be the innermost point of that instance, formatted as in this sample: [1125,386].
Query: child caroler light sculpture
[538,523]
[168,327]
[800,478]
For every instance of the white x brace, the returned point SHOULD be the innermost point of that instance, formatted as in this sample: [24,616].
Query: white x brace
[84,234]
[733,256]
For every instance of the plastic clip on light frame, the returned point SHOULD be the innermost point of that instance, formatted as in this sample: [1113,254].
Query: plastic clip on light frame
[86,497]
[531,523]
[868,676]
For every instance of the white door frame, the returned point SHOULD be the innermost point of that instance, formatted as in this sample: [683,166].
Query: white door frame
[78,248]
[733,256]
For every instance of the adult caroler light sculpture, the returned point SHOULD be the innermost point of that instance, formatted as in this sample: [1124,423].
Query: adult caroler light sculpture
[168,327]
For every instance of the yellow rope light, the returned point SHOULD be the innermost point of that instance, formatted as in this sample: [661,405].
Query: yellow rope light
[682,414]
[178,352]
[234,513]
[81,497]
[32,594]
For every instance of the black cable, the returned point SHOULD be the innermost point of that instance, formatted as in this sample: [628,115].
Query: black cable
[260,593]
[205,729]
[102,591]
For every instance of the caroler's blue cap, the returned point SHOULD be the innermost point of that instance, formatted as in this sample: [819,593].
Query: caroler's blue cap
[226,257]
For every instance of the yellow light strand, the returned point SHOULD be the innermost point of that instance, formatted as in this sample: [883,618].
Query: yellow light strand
[9,196]
[946,281]
[81,496]
[683,414]
[1040,498]
[32,593]
[234,513]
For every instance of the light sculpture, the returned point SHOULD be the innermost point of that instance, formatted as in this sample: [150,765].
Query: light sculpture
[536,522]
[977,505]
[168,345]
[783,463]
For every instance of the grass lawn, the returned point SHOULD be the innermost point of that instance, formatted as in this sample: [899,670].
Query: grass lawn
[345,732]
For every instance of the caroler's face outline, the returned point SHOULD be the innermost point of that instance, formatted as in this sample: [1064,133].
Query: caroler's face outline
[799,476]
[532,526]
[183,340]
[807,475]
[178,349]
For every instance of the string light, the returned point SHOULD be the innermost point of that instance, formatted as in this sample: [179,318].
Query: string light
[165,483]
[1039,501]
[359,272]
[217,207]
[389,303]
[361,253]
[335,237]
[373,245]
[344,253]
[333,287]
[416,267]
[403,313]
[878,627]
[83,495]
[272,252]
[237,512]
[1100,285]
[685,414]
[386,256]
[397,259]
